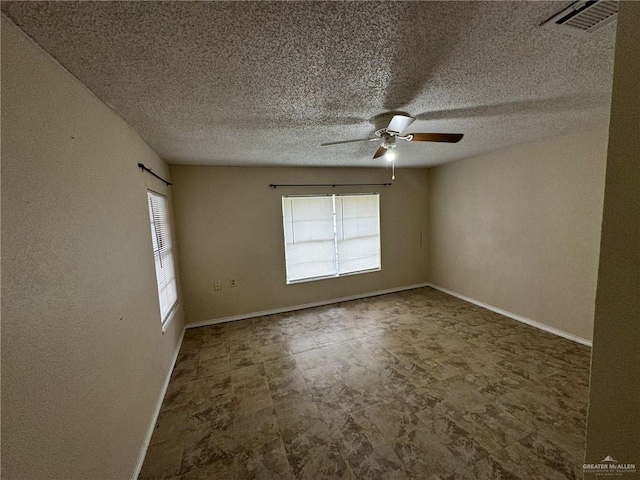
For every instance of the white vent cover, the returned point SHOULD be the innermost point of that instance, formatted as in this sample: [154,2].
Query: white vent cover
[583,17]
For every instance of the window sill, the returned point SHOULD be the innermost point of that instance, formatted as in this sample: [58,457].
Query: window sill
[327,277]
[170,317]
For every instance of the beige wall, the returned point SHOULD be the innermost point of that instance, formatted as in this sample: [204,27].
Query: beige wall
[83,355]
[614,409]
[519,229]
[229,225]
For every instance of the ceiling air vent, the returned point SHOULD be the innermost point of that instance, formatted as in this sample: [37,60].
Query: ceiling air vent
[584,17]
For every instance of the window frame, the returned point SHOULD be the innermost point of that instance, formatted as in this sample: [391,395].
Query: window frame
[166,241]
[335,236]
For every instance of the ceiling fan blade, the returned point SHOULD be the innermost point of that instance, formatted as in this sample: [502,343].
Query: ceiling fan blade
[399,123]
[380,152]
[348,141]
[436,137]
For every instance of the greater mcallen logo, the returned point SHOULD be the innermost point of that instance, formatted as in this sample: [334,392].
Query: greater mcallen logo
[609,467]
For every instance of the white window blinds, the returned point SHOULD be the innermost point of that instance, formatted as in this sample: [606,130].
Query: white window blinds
[162,254]
[358,233]
[330,235]
[309,237]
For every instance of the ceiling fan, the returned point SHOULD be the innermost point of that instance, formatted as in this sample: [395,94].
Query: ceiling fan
[391,126]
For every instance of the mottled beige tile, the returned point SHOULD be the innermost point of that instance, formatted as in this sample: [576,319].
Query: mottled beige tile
[219,470]
[207,388]
[251,400]
[296,415]
[207,368]
[273,352]
[392,422]
[445,431]
[381,463]
[247,374]
[177,395]
[493,381]
[190,343]
[568,436]
[419,399]
[241,359]
[330,338]
[287,384]
[460,391]
[301,344]
[535,366]
[337,400]
[416,384]
[357,436]
[215,336]
[214,352]
[322,356]
[269,461]
[535,410]
[553,456]
[205,448]
[254,429]
[270,338]
[490,425]
[214,414]
[321,377]
[423,456]
[170,424]
[183,372]
[526,464]
[314,454]
[278,367]
[188,354]
[490,468]
[163,460]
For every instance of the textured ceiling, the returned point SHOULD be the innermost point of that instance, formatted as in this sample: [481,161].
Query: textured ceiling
[265,83]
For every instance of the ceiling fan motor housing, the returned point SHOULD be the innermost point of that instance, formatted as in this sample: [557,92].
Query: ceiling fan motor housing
[381,122]
[388,141]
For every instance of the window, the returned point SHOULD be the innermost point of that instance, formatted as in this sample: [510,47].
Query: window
[330,235]
[163,255]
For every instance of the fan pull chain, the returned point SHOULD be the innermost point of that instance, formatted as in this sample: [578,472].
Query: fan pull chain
[393,170]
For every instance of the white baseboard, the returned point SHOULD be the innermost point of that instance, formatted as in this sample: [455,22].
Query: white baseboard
[513,316]
[156,413]
[293,308]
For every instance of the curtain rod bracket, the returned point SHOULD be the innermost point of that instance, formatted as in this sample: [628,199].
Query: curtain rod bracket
[147,169]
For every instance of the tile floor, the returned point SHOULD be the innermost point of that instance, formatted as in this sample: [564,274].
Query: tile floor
[416,384]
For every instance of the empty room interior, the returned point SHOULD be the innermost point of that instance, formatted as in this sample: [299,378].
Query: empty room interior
[320,240]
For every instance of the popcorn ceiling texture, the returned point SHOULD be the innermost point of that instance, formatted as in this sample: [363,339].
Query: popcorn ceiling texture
[264,83]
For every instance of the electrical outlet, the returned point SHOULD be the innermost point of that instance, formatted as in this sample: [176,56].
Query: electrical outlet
[232,282]
[217,286]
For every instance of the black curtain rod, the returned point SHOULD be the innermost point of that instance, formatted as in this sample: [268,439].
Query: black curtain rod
[147,169]
[276,185]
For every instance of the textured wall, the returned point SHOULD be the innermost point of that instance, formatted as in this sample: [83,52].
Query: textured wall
[83,355]
[614,407]
[229,224]
[519,229]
